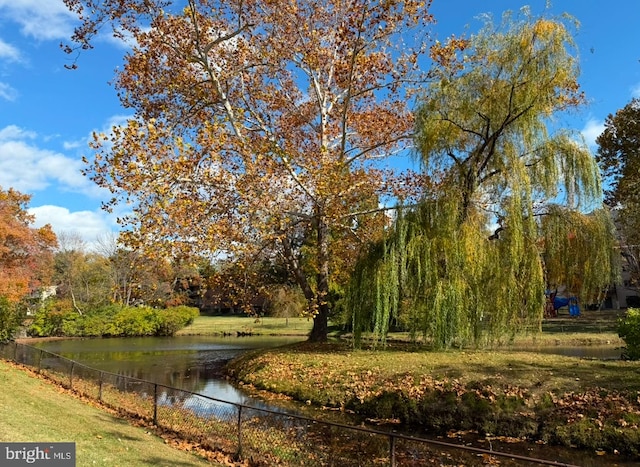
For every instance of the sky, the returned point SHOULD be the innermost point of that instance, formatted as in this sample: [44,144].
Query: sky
[48,112]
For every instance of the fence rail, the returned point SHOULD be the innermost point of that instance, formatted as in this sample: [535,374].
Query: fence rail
[264,436]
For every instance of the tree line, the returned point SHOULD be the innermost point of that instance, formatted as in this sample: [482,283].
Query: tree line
[393,180]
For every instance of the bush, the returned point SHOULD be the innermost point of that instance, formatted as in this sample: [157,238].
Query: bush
[171,320]
[10,319]
[136,321]
[59,319]
[629,331]
[50,319]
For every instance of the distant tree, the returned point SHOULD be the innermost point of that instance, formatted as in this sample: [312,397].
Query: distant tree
[82,277]
[619,160]
[261,128]
[472,261]
[619,155]
[26,253]
[26,258]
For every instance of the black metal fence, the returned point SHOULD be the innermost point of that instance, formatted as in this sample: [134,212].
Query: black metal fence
[263,437]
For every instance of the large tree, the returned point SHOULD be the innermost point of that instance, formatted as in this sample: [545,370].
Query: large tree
[619,159]
[26,253]
[260,127]
[518,205]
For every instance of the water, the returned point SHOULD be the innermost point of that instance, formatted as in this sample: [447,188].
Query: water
[192,363]
[596,352]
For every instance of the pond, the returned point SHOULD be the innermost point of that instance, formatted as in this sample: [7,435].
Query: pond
[192,363]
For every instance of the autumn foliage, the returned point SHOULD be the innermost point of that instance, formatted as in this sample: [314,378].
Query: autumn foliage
[26,253]
[261,129]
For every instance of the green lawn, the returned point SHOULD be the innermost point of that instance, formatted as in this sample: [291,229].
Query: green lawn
[218,325]
[34,410]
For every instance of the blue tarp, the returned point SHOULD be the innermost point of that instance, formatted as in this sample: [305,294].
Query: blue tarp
[571,302]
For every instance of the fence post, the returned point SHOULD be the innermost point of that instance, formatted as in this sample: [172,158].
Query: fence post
[71,375]
[392,451]
[15,352]
[239,452]
[155,404]
[100,387]
[39,360]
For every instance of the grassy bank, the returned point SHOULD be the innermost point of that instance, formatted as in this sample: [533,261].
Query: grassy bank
[224,325]
[591,404]
[34,410]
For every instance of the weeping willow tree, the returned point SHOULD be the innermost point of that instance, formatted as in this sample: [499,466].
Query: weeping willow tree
[518,205]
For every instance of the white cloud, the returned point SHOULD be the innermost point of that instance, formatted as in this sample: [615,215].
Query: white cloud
[9,52]
[635,90]
[592,130]
[27,167]
[7,92]
[15,132]
[90,226]
[40,19]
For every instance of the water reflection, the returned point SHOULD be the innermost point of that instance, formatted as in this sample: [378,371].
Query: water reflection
[597,352]
[191,363]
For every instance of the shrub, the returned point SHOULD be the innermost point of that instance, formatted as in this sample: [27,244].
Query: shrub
[50,319]
[171,320]
[10,319]
[136,321]
[59,319]
[629,331]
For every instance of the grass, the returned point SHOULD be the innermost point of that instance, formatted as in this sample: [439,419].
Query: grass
[35,410]
[220,325]
[591,404]
[331,367]
[332,375]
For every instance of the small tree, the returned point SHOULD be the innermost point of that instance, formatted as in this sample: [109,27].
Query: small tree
[10,319]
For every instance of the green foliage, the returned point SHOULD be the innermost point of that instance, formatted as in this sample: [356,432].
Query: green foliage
[619,159]
[629,330]
[471,262]
[49,319]
[60,319]
[10,319]
[171,320]
[448,282]
[619,154]
[136,321]
[579,251]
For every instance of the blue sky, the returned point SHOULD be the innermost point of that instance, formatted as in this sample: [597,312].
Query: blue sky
[49,112]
